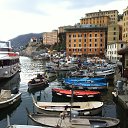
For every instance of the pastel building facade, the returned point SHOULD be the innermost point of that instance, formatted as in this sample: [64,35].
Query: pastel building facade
[114,42]
[86,40]
[50,38]
[112,14]
[125,25]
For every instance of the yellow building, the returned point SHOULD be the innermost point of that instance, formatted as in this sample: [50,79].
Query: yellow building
[86,40]
[98,20]
[113,15]
[125,25]
[50,38]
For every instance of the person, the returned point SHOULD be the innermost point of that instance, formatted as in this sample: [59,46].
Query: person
[64,113]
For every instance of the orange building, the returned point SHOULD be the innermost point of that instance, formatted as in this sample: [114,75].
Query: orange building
[113,15]
[98,20]
[86,40]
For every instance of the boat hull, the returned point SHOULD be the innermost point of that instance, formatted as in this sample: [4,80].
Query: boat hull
[77,122]
[78,95]
[11,101]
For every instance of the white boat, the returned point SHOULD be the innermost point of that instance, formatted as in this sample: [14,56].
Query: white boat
[74,121]
[83,108]
[24,126]
[7,98]
[9,60]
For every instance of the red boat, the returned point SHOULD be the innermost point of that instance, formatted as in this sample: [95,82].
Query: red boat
[84,94]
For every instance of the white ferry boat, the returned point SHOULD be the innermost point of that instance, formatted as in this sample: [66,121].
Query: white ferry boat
[9,60]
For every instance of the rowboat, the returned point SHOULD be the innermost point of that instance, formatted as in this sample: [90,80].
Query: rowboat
[77,94]
[84,80]
[37,82]
[7,99]
[73,122]
[83,108]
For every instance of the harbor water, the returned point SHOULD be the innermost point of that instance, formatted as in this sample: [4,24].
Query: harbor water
[29,69]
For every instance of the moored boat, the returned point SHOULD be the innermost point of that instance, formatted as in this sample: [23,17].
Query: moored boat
[83,108]
[9,60]
[73,122]
[7,98]
[38,82]
[77,94]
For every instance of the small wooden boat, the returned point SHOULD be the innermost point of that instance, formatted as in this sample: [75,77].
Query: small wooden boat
[38,82]
[77,94]
[85,80]
[8,99]
[83,108]
[73,122]
[87,86]
[24,126]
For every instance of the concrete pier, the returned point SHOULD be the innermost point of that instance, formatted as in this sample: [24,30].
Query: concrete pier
[120,95]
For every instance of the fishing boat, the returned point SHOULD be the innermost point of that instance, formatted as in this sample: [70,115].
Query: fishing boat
[7,98]
[20,126]
[84,80]
[73,122]
[37,82]
[83,108]
[24,126]
[9,60]
[77,94]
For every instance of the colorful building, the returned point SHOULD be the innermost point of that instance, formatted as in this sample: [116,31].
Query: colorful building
[125,25]
[97,20]
[50,38]
[113,15]
[86,40]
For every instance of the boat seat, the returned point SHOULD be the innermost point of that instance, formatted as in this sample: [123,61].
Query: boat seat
[80,122]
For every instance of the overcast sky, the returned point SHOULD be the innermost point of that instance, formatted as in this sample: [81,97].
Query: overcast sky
[35,16]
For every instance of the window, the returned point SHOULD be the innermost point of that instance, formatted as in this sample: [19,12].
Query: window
[69,45]
[114,33]
[90,40]
[79,45]
[74,40]
[101,35]
[84,45]
[114,38]
[84,35]
[90,35]
[85,50]
[79,40]
[121,45]
[95,45]
[84,40]
[69,35]
[90,45]
[74,45]
[95,35]
[95,40]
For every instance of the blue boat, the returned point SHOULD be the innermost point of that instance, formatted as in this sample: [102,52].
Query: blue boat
[86,83]
[85,80]
[88,86]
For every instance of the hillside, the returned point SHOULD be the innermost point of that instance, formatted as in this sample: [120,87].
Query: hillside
[21,41]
